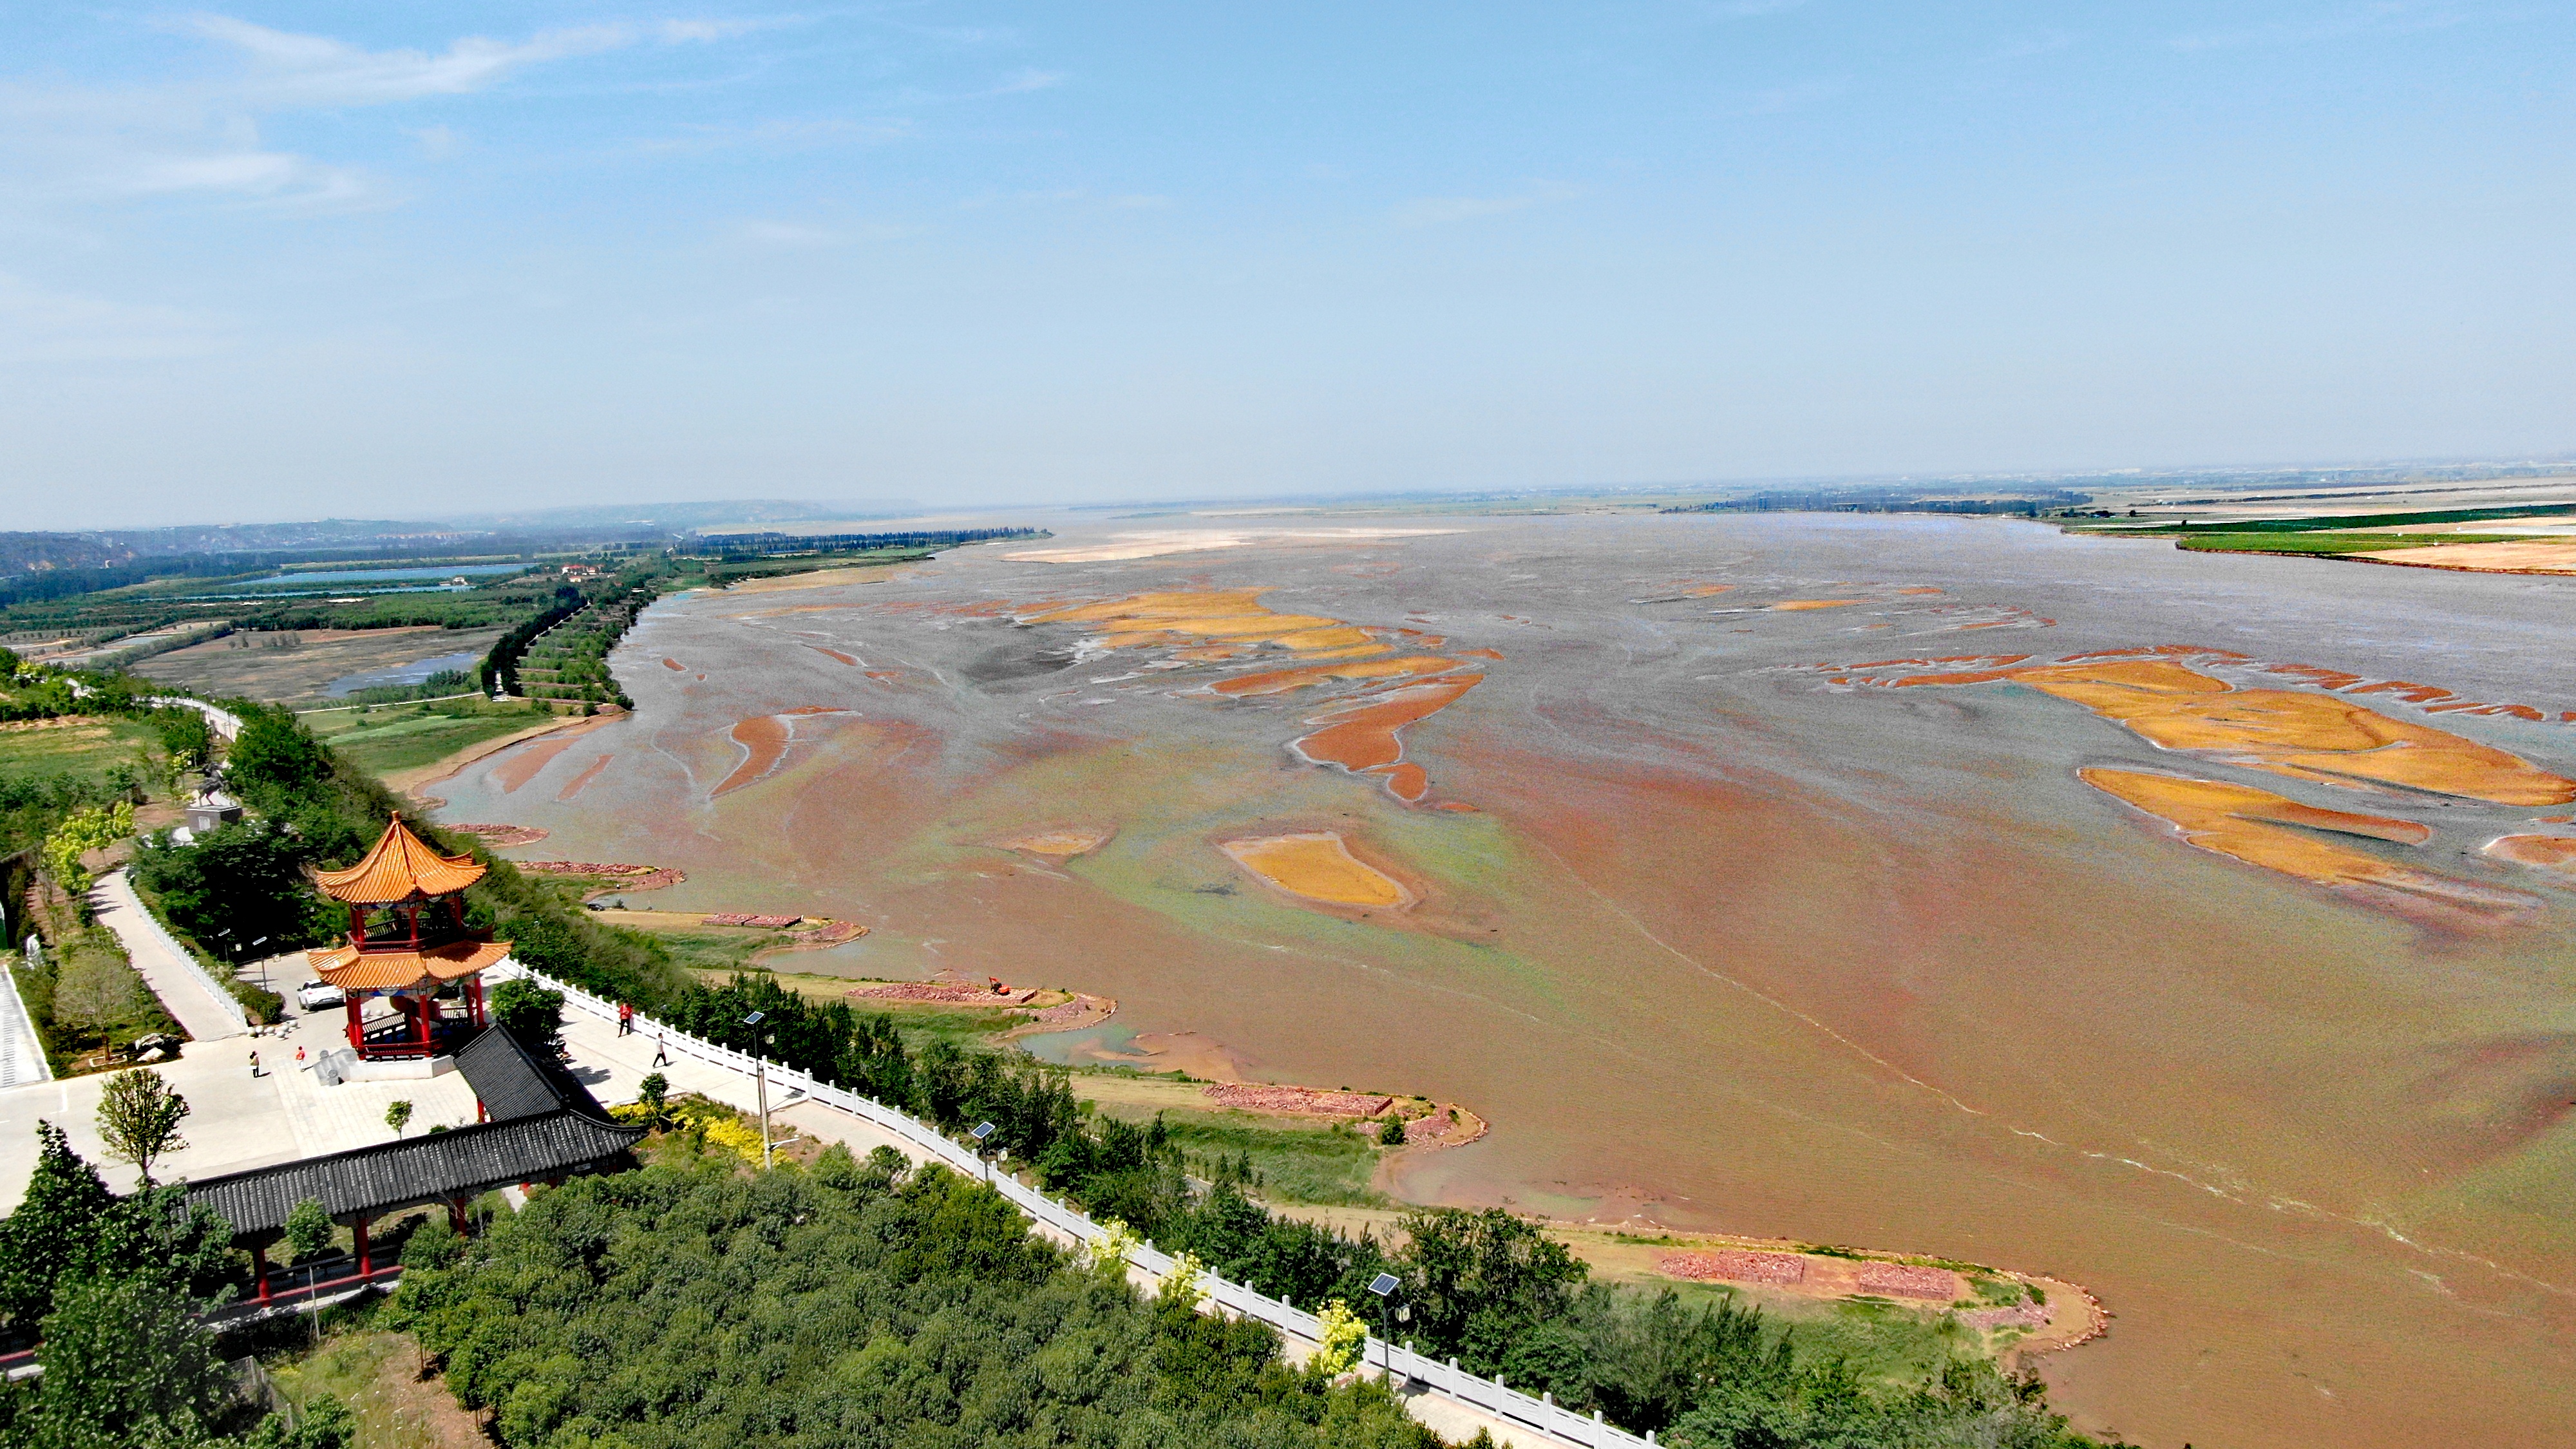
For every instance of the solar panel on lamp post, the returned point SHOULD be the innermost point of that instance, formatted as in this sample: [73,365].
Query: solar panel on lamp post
[982,1133]
[760,1070]
[1384,1286]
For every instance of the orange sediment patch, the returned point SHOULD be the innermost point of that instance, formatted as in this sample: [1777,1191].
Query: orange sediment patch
[1062,841]
[764,742]
[1408,783]
[1280,681]
[1495,654]
[1704,591]
[1918,591]
[1793,605]
[1361,735]
[833,654]
[2541,852]
[584,778]
[522,767]
[675,664]
[1318,867]
[2248,824]
[2326,738]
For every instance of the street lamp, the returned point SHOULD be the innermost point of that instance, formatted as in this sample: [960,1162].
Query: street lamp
[760,1059]
[1384,1286]
[982,1133]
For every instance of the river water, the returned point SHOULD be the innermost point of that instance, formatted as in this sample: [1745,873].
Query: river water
[1717,942]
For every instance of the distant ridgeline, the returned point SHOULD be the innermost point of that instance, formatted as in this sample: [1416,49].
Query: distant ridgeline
[776,545]
[2023,505]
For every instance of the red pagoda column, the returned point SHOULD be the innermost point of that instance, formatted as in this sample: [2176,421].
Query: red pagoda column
[428,1007]
[357,1039]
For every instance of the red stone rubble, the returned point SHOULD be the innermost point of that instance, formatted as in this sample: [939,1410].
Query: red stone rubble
[2020,1315]
[1909,1282]
[1737,1267]
[1304,1100]
[946,992]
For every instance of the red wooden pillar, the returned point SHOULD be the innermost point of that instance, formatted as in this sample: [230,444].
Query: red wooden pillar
[357,1038]
[428,1006]
[456,1211]
[259,1266]
[366,1264]
[474,1001]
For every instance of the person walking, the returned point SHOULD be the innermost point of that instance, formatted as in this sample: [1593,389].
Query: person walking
[254,1064]
[661,1051]
[626,1018]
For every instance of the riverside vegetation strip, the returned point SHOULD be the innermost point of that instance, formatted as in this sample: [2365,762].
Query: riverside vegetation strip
[1489,1287]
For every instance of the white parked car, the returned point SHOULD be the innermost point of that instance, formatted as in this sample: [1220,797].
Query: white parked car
[318,995]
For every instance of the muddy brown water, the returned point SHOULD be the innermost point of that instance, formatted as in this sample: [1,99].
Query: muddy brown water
[1728,944]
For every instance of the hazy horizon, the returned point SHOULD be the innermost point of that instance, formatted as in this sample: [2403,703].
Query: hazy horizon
[287,261]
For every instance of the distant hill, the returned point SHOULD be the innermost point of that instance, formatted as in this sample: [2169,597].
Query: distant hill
[731,515]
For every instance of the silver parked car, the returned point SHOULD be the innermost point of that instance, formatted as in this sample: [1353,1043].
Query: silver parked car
[318,995]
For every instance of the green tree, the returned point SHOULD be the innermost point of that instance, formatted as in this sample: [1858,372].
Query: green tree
[125,1365]
[398,1115]
[52,1229]
[309,1229]
[1476,1281]
[652,1092]
[274,758]
[238,884]
[138,1118]
[185,737]
[532,1013]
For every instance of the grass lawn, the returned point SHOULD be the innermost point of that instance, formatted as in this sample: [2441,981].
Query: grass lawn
[82,747]
[391,738]
[377,1375]
[1296,1163]
[2329,543]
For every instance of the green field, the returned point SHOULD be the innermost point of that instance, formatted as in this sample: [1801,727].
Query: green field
[1330,1165]
[81,747]
[387,739]
[2329,544]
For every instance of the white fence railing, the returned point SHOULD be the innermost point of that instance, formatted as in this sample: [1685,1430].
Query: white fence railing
[1446,1379]
[225,1001]
[225,723]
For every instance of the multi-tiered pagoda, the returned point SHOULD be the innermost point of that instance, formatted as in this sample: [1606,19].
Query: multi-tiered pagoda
[409,947]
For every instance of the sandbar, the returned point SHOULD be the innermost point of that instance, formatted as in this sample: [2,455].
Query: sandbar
[2318,737]
[1156,543]
[764,742]
[2252,825]
[1794,605]
[2543,852]
[1061,841]
[1319,867]
[2482,558]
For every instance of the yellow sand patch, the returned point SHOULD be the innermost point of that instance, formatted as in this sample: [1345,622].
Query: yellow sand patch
[2320,737]
[2542,852]
[1793,605]
[2247,824]
[1319,867]
[2485,558]
[1280,681]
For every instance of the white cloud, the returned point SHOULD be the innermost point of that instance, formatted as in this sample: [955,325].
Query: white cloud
[1443,210]
[313,70]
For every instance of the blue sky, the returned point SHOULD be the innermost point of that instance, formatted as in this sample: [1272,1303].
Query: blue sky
[274,261]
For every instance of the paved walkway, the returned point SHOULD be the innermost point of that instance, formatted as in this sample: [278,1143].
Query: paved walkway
[22,1053]
[235,1120]
[121,911]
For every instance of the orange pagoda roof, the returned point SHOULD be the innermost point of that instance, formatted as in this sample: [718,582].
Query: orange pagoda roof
[351,969]
[398,868]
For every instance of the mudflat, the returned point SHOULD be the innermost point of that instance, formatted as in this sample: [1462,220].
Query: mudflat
[2080,906]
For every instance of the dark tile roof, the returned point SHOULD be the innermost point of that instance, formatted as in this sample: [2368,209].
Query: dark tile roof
[429,1168]
[512,1081]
